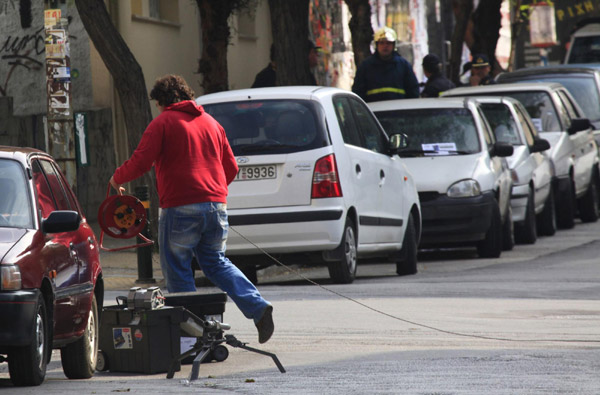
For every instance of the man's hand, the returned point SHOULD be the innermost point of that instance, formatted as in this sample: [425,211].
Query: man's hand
[117,187]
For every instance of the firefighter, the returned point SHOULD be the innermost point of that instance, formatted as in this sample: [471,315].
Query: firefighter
[385,75]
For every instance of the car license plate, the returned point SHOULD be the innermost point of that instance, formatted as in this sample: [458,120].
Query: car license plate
[256,172]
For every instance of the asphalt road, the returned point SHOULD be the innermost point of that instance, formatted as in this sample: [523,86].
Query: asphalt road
[526,323]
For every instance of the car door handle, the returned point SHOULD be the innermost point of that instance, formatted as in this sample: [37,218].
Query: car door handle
[358,169]
[381,177]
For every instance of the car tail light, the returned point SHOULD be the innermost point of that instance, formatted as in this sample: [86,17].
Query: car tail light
[11,277]
[326,183]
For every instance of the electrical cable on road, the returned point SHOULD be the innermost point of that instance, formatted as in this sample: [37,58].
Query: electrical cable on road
[296,272]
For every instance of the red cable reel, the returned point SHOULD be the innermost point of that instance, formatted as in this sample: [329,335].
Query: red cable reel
[122,217]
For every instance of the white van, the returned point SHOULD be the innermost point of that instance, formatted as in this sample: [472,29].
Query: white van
[584,46]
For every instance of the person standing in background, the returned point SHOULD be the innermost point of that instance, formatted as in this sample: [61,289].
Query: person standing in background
[385,75]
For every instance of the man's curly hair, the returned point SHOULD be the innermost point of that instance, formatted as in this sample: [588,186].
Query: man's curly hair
[171,89]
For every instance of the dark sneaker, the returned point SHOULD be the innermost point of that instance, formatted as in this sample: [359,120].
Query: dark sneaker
[265,325]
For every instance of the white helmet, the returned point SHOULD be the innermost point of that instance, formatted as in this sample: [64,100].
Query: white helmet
[385,33]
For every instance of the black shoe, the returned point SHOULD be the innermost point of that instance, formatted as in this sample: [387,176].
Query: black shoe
[265,325]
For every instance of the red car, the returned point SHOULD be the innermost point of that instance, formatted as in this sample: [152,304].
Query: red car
[51,288]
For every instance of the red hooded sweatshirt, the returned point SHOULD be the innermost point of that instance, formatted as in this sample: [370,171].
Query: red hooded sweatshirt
[192,157]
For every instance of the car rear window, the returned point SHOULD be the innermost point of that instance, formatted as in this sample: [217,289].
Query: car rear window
[585,50]
[271,126]
[433,131]
[15,203]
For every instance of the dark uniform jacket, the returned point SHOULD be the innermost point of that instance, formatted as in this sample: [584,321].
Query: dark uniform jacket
[436,84]
[265,78]
[377,79]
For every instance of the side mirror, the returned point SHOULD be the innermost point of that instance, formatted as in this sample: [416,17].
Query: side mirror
[579,124]
[540,145]
[61,221]
[501,149]
[398,141]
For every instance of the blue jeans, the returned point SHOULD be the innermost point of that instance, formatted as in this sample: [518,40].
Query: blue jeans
[200,229]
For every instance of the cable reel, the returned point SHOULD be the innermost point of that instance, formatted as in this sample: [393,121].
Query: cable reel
[122,217]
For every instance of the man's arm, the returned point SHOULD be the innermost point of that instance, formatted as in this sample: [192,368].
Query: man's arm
[143,158]
[228,161]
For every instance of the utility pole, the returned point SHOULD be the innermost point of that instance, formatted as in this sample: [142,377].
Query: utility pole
[60,136]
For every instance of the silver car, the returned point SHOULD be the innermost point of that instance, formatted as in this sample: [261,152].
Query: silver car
[532,171]
[574,153]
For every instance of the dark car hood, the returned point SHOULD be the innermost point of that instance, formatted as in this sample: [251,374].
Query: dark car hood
[8,238]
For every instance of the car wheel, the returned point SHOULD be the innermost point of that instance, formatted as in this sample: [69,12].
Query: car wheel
[102,361]
[343,271]
[547,219]
[407,264]
[27,365]
[588,204]
[491,246]
[565,208]
[79,358]
[526,232]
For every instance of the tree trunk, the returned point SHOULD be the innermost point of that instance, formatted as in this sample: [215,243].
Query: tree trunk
[214,23]
[462,13]
[128,79]
[361,29]
[486,31]
[289,24]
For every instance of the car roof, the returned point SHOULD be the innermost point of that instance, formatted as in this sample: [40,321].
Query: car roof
[19,153]
[557,69]
[480,90]
[279,92]
[403,104]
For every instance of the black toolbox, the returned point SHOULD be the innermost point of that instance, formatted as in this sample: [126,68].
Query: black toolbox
[139,341]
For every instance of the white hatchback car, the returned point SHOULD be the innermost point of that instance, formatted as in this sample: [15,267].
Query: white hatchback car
[319,181]
[532,198]
[462,176]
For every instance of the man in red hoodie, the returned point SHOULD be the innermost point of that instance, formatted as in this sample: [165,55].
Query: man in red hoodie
[194,165]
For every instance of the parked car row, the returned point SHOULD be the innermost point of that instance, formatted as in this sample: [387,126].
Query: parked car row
[326,179]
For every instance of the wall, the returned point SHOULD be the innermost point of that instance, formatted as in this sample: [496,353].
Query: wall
[28,131]
[162,46]
[249,47]
[22,57]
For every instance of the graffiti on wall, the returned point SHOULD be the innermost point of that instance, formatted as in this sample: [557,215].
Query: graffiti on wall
[19,49]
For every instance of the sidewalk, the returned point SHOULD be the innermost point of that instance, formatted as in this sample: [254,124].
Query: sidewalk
[120,268]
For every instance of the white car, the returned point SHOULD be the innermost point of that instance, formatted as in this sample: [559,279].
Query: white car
[319,181]
[532,199]
[574,152]
[462,176]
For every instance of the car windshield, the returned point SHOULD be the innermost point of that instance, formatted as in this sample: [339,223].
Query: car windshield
[585,50]
[15,203]
[583,89]
[271,126]
[436,131]
[502,122]
[540,108]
